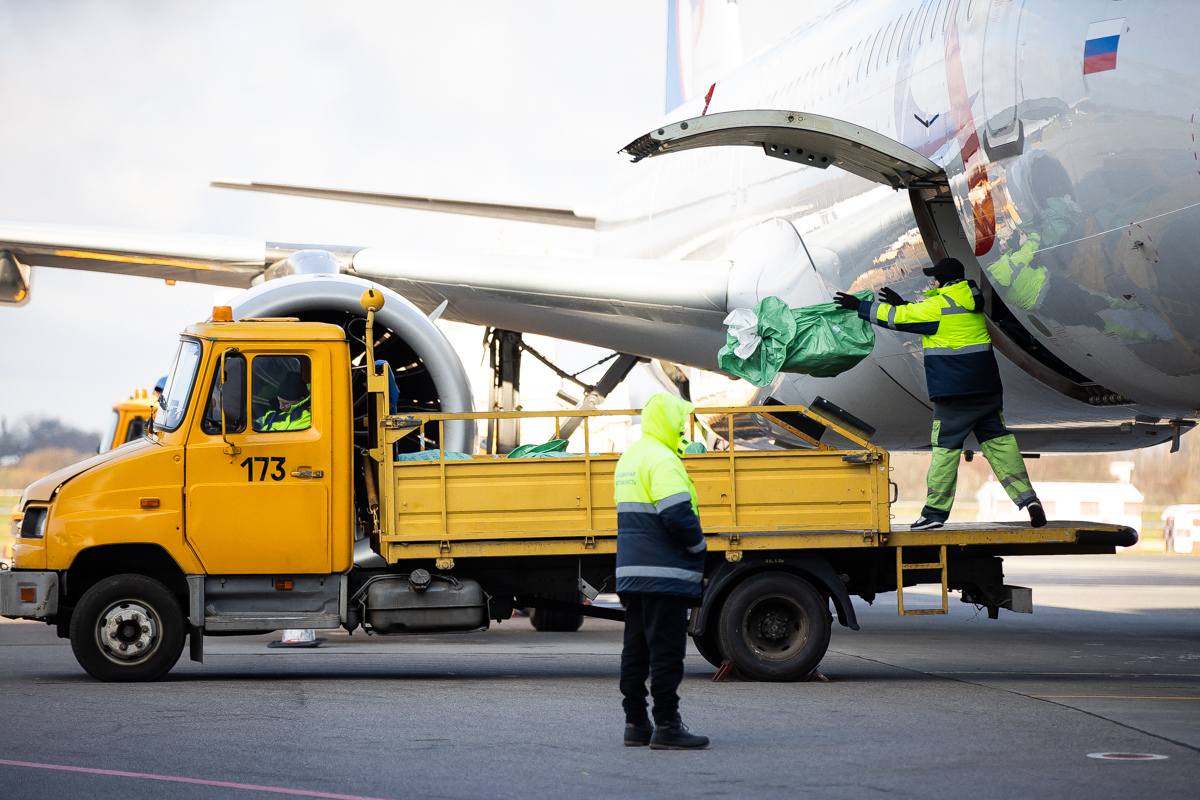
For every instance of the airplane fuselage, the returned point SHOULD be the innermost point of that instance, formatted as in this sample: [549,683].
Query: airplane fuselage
[1073,180]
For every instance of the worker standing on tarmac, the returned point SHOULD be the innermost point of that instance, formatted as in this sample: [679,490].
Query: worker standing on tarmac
[964,386]
[660,573]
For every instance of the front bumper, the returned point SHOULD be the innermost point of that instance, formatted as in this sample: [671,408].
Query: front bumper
[28,594]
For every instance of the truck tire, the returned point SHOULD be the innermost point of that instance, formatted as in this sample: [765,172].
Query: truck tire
[709,646]
[774,626]
[557,621]
[132,612]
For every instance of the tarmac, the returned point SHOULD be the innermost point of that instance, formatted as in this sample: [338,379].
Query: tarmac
[951,706]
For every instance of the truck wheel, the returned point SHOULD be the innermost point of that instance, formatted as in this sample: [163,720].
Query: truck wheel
[127,628]
[559,621]
[709,646]
[774,626]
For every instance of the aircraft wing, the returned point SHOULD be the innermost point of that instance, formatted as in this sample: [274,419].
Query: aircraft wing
[659,309]
[473,208]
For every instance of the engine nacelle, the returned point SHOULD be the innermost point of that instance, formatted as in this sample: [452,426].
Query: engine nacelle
[429,374]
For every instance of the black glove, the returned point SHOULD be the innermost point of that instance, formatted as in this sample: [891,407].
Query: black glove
[846,301]
[891,298]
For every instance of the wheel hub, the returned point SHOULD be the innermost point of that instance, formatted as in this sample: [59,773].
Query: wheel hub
[127,631]
[773,627]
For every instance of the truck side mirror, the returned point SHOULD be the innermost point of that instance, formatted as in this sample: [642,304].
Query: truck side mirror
[233,393]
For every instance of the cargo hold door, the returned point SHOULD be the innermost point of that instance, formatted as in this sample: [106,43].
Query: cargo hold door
[808,139]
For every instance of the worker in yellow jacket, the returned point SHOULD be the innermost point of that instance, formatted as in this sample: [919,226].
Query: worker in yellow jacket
[964,386]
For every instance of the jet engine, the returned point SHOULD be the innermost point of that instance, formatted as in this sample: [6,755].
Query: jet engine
[429,374]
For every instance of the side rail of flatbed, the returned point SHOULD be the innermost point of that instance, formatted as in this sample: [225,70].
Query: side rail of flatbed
[749,499]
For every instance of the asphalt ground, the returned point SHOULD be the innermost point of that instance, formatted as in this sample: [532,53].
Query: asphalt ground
[939,706]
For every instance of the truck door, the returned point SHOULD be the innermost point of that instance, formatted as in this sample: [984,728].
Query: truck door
[258,499]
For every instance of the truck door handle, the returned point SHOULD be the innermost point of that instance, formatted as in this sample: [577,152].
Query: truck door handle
[305,472]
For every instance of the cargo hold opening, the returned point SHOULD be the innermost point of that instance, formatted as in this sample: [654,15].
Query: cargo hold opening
[936,217]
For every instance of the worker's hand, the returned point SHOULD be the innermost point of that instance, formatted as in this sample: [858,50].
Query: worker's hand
[891,298]
[846,301]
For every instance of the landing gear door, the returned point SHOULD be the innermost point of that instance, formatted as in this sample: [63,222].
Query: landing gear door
[807,139]
[258,496]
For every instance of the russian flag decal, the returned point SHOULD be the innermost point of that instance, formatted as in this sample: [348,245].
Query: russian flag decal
[1100,49]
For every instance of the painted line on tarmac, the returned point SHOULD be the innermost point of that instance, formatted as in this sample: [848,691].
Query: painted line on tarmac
[251,787]
[1112,674]
[1112,697]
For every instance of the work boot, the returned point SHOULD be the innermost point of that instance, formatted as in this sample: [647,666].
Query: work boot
[672,734]
[1037,516]
[924,523]
[638,734]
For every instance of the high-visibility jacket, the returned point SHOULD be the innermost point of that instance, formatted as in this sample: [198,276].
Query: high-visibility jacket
[1022,284]
[660,545]
[296,418]
[958,351]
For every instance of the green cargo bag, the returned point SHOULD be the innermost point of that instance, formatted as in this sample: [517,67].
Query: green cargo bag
[820,340]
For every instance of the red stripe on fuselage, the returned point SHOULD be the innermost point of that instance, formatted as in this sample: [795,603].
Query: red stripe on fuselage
[979,189]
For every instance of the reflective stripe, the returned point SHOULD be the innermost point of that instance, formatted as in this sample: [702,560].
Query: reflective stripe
[1025,498]
[660,572]
[891,316]
[636,508]
[874,314]
[958,351]
[700,548]
[949,300]
[955,310]
[1011,479]
[671,500]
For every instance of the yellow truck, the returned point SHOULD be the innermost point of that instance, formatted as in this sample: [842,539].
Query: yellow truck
[268,493]
[128,420]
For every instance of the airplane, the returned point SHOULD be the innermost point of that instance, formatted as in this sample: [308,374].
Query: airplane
[1049,146]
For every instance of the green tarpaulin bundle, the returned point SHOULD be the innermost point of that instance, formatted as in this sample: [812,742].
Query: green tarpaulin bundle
[821,340]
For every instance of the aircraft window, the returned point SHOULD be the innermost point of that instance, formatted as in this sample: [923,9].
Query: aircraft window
[174,400]
[883,45]
[933,19]
[887,48]
[946,18]
[852,74]
[902,34]
[914,39]
[871,53]
[280,393]
[970,8]
[837,73]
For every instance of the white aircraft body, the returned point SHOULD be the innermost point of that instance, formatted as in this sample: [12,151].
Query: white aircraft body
[1048,145]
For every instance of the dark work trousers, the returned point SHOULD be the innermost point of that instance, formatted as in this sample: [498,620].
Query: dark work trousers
[954,419]
[655,644]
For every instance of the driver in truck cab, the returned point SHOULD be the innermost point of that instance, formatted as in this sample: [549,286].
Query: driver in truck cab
[293,411]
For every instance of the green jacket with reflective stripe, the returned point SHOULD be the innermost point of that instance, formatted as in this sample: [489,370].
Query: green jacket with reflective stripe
[296,418]
[958,350]
[660,544]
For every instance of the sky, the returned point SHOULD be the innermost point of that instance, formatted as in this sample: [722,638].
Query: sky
[120,114]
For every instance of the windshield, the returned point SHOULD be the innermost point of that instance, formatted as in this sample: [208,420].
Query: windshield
[173,403]
[110,432]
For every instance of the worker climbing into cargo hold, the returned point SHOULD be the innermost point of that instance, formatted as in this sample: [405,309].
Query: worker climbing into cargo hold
[963,382]
[660,573]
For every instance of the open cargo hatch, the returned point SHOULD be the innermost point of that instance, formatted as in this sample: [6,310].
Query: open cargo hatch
[808,139]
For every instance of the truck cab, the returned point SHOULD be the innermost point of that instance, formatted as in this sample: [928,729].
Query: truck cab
[128,420]
[218,485]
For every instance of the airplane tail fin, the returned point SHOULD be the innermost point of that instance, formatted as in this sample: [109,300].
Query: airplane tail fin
[704,43]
